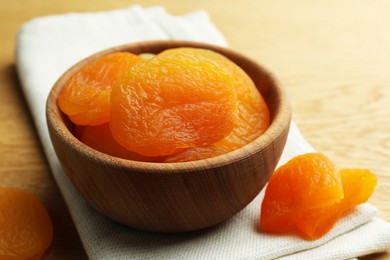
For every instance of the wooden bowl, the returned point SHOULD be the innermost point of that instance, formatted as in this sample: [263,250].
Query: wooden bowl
[172,197]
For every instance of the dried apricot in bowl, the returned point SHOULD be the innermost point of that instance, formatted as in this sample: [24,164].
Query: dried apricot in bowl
[253,118]
[181,98]
[86,96]
[308,195]
[100,138]
[25,227]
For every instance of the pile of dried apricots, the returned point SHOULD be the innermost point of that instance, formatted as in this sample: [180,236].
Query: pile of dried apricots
[182,104]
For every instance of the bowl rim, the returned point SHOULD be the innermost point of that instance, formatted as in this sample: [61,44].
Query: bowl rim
[278,123]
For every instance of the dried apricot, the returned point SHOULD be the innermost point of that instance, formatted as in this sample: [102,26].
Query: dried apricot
[308,181]
[253,120]
[25,227]
[85,98]
[196,153]
[180,98]
[254,117]
[100,138]
[358,185]
[308,195]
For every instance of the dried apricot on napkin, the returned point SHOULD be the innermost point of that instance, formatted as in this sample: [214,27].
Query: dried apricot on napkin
[305,182]
[308,195]
[358,185]
[25,227]
[180,98]
[85,98]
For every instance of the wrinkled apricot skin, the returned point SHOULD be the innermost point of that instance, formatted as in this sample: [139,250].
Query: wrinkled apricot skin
[176,100]
[86,96]
[25,227]
[315,217]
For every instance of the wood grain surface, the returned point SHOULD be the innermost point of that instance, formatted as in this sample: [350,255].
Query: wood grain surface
[332,56]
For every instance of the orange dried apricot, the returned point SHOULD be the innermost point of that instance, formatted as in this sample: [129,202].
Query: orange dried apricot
[25,227]
[358,185]
[253,112]
[254,117]
[308,181]
[100,138]
[85,98]
[196,153]
[253,120]
[180,98]
[308,195]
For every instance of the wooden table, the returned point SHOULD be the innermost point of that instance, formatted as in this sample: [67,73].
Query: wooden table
[332,56]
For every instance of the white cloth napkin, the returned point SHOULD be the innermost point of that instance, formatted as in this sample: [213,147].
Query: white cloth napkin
[47,46]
